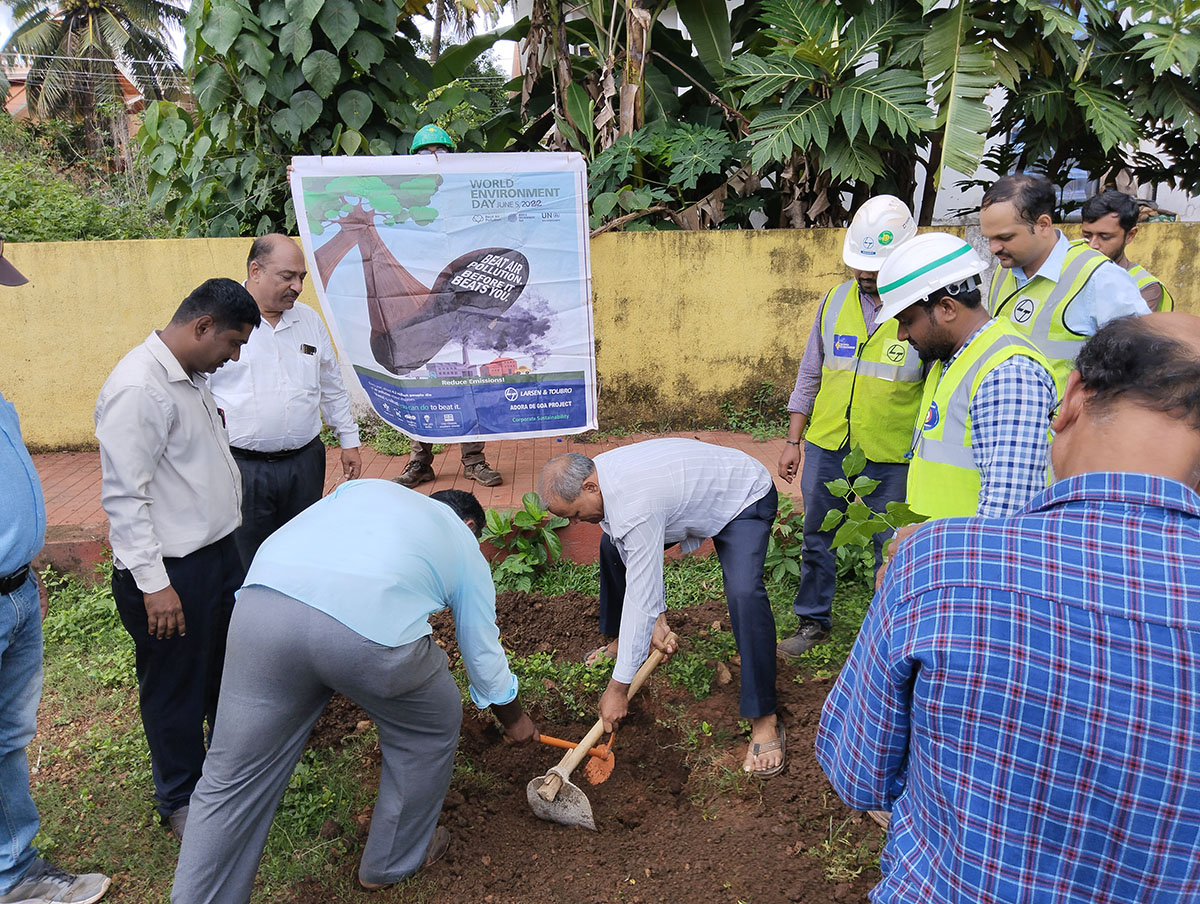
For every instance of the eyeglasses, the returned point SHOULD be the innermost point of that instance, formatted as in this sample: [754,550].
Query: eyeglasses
[1053,415]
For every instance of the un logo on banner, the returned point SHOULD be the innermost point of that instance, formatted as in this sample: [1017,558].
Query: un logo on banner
[1024,310]
[895,353]
[932,417]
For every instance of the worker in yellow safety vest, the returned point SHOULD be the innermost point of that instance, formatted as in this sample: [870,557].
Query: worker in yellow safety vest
[982,441]
[857,385]
[1055,292]
[1109,224]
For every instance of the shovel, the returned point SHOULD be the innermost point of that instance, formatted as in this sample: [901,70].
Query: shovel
[552,796]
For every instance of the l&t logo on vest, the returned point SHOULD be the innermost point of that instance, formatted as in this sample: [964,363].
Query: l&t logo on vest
[932,417]
[1024,310]
[895,353]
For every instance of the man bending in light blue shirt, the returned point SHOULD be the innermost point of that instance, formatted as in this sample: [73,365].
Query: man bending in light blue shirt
[338,599]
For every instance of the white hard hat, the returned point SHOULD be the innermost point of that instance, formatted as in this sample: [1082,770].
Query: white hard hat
[882,223]
[924,265]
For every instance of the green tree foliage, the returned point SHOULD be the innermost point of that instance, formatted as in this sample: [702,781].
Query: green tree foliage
[820,103]
[280,78]
[48,193]
[76,49]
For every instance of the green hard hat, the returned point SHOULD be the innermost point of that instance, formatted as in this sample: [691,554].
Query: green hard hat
[431,134]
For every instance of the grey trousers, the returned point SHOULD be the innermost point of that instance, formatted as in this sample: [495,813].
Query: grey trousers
[283,662]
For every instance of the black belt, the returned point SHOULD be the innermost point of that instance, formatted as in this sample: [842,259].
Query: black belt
[13,582]
[252,455]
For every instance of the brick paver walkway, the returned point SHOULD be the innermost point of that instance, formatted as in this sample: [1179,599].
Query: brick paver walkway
[77,527]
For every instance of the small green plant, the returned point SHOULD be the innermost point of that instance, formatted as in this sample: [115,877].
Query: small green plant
[859,523]
[561,689]
[844,859]
[692,672]
[765,418]
[526,539]
[785,542]
[380,436]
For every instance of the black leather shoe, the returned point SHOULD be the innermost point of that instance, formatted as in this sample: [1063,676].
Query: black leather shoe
[806,637]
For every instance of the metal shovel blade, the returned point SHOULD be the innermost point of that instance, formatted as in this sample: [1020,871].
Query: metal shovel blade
[570,808]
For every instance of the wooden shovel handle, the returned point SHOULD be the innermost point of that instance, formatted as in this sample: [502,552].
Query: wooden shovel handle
[567,765]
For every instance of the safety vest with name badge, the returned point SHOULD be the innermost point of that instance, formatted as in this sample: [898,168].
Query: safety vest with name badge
[943,481]
[1038,308]
[870,385]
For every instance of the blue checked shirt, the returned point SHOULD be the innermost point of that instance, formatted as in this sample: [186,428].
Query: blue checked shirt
[1025,696]
[1010,439]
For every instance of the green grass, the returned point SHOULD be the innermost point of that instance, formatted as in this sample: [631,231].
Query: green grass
[93,784]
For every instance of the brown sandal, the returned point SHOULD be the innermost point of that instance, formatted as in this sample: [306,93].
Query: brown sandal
[778,743]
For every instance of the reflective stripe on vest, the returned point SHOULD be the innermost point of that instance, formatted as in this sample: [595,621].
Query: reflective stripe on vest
[1144,278]
[1040,308]
[870,385]
[943,481]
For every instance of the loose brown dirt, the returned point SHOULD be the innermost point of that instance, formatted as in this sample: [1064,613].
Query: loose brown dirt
[676,822]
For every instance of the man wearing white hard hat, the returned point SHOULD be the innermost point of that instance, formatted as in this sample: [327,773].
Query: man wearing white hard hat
[858,385]
[981,444]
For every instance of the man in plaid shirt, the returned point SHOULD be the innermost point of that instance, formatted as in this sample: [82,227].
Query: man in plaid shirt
[1025,691]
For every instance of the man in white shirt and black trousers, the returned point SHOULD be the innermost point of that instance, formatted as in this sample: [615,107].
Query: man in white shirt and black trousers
[274,396]
[651,495]
[173,496]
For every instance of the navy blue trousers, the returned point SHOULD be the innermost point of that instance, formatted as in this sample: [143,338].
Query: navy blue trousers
[275,492]
[741,549]
[818,564]
[179,677]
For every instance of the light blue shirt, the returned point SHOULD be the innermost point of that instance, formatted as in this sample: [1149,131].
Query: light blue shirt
[22,508]
[1109,293]
[381,559]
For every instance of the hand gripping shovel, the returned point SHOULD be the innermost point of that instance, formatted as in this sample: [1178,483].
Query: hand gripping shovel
[552,796]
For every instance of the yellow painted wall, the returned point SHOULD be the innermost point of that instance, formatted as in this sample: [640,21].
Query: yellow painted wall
[684,320]
[86,304]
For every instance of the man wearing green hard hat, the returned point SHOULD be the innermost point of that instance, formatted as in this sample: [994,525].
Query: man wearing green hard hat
[431,139]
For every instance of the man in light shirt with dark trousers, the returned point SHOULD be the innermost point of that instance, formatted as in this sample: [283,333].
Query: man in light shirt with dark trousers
[651,495]
[275,395]
[173,495]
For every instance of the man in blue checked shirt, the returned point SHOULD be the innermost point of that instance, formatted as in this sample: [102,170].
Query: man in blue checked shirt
[1024,693]
[338,599]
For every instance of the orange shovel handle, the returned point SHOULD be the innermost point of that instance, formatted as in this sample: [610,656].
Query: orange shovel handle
[568,745]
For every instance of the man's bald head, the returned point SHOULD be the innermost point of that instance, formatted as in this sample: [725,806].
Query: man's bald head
[275,274]
[1133,401]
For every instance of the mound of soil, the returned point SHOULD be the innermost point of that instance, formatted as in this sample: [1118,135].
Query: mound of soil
[672,825]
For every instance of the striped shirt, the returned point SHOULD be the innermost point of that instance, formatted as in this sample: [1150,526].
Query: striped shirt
[661,492]
[1025,696]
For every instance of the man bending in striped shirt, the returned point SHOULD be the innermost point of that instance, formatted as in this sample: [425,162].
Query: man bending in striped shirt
[651,495]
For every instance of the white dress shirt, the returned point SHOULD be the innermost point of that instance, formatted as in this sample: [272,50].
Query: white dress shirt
[169,484]
[657,493]
[285,379]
